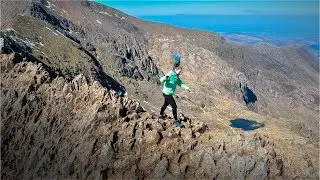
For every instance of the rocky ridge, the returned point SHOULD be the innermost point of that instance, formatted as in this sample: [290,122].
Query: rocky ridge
[77,129]
[116,47]
[128,54]
[57,123]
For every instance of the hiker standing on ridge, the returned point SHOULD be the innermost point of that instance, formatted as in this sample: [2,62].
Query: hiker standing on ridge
[170,82]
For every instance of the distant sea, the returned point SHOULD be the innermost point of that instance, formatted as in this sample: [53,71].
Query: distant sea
[280,30]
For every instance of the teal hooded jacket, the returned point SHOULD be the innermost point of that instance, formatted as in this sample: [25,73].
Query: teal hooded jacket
[170,82]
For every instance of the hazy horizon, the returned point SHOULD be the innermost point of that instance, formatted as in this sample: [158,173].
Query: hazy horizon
[243,22]
[253,7]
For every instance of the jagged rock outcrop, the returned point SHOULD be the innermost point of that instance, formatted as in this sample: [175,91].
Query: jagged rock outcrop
[122,43]
[78,62]
[64,64]
[54,128]
[100,42]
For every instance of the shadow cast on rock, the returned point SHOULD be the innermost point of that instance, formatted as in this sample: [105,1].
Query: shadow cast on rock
[245,124]
[248,95]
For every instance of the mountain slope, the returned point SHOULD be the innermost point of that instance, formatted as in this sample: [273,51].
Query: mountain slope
[284,80]
[47,44]
[115,46]
[130,50]
[57,129]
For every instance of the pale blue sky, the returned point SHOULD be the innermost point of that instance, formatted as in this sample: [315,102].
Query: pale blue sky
[209,7]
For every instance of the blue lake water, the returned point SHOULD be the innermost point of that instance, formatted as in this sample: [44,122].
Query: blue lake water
[279,30]
[246,124]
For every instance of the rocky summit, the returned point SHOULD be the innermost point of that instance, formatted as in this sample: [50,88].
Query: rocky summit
[80,97]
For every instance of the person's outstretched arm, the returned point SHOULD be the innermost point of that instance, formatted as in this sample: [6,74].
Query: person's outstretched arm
[181,84]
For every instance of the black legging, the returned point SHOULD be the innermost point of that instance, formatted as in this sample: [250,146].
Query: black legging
[168,99]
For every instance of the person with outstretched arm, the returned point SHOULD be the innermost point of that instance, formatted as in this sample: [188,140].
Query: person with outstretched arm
[170,82]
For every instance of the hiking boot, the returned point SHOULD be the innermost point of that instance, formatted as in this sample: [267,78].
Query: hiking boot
[178,124]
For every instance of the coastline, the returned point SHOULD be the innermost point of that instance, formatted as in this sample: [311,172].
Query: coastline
[245,37]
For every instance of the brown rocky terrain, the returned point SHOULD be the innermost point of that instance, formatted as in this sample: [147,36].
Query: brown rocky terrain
[80,90]
[54,128]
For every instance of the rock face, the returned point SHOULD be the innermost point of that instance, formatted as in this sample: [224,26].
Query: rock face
[79,80]
[54,128]
[129,55]
[101,44]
